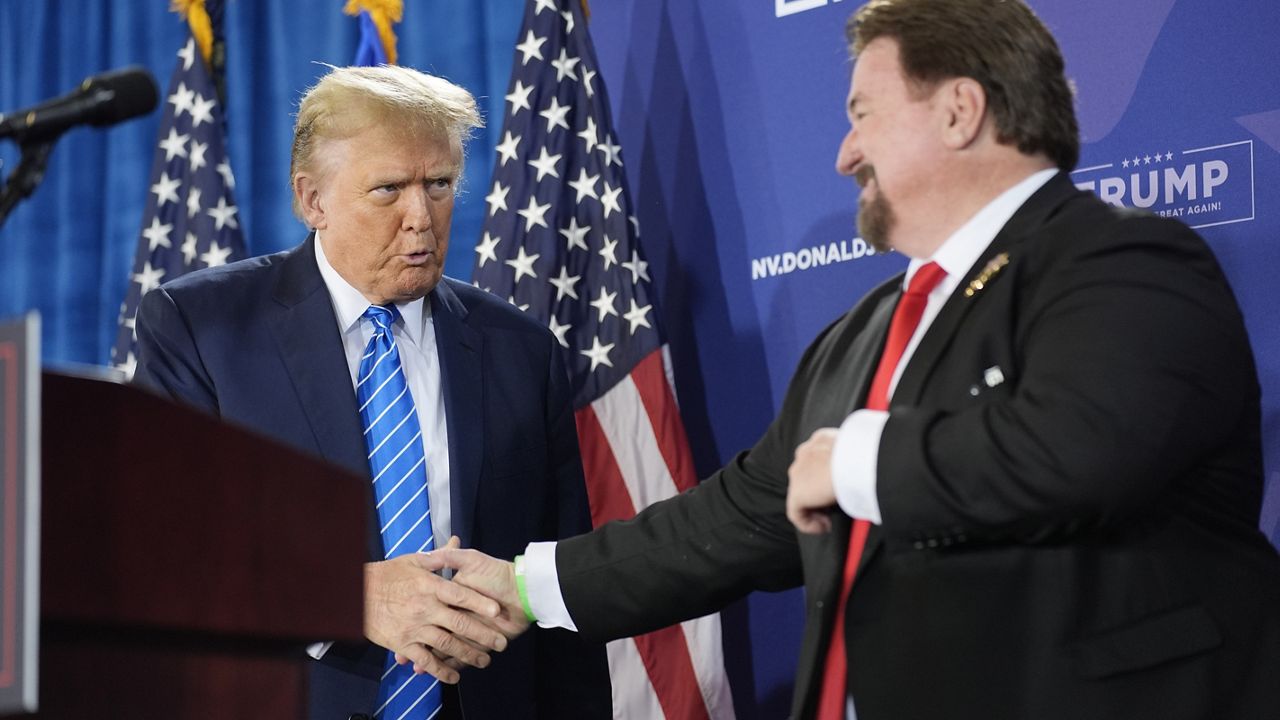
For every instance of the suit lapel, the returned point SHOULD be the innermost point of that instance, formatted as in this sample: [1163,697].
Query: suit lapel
[311,349]
[460,348]
[1033,214]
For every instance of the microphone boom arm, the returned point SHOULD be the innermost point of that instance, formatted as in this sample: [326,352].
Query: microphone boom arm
[25,177]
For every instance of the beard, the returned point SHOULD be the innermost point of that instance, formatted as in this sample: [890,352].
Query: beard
[875,216]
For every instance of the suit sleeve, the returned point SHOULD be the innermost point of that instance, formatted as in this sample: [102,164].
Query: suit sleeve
[1130,367]
[168,358]
[572,671]
[693,554]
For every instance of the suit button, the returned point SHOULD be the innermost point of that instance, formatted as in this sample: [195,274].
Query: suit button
[919,544]
[933,542]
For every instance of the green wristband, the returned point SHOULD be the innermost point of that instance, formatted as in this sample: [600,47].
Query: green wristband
[520,588]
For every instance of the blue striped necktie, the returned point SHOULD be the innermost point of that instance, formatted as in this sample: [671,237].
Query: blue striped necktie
[399,467]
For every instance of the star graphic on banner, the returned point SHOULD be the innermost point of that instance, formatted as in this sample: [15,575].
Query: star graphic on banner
[182,99]
[636,316]
[555,114]
[166,190]
[497,199]
[534,214]
[175,145]
[604,304]
[564,66]
[587,77]
[588,135]
[523,264]
[193,202]
[609,252]
[197,155]
[1168,156]
[189,248]
[157,235]
[149,278]
[1137,160]
[223,214]
[575,235]
[509,147]
[486,248]
[224,169]
[612,152]
[559,330]
[564,284]
[585,185]
[545,5]
[216,256]
[188,54]
[568,21]
[599,354]
[545,164]
[638,267]
[202,111]
[1147,160]
[531,47]
[519,97]
[609,198]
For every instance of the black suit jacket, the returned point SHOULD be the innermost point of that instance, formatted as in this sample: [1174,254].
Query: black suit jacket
[1078,540]
[256,343]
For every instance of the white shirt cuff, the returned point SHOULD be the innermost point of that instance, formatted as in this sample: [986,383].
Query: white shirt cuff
[317,650]
[542,584]
[853,464]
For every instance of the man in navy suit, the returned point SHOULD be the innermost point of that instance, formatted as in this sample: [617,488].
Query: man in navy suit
[274,343]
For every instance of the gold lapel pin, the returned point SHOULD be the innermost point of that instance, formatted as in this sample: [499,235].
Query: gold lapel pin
[978,283]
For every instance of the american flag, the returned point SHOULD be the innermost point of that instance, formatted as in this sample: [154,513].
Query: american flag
[190,220]
[560,242]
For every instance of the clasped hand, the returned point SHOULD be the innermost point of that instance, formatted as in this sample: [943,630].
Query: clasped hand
[439,625]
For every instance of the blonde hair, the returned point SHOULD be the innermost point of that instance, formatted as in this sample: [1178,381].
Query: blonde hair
[347,100]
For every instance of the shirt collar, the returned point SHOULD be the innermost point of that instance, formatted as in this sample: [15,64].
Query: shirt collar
[349,303]
[959,252]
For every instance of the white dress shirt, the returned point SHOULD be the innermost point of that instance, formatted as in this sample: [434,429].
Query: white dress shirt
[415,338]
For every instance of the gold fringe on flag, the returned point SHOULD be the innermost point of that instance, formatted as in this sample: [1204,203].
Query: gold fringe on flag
[384,13]
[201,27]
[586,11]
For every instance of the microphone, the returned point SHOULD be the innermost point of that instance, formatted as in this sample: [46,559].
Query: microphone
[100,100]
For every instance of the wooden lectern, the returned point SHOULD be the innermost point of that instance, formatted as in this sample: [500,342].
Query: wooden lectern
[186,563]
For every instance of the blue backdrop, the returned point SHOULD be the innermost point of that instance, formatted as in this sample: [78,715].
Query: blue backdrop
[729,113]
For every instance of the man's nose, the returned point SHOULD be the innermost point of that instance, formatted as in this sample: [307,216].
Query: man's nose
[417,215]
[849,154]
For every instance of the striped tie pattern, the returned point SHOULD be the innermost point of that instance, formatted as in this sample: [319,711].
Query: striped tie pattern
[393,438]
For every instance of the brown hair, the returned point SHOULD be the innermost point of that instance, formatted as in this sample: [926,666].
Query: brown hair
[1002,45]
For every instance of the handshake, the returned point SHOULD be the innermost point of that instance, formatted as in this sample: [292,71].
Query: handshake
[440,625]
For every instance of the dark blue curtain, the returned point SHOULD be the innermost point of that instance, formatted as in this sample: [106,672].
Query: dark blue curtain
[67,250]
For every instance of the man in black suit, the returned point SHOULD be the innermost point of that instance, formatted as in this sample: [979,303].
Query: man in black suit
[278,344]
[1026,474]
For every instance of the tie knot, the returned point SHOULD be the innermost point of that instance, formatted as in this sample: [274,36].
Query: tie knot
[382,316]
[926,279]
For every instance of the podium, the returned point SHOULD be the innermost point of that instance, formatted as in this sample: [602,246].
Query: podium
[186,562]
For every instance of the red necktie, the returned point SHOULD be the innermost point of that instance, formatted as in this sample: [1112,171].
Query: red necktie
[906,318]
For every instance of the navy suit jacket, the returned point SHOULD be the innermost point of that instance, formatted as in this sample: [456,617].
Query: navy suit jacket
[256,343]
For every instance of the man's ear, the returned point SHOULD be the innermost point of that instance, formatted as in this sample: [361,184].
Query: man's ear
[964,103]
[306,190]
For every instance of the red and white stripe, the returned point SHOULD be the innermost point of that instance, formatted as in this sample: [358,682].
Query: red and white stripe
[635,453]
